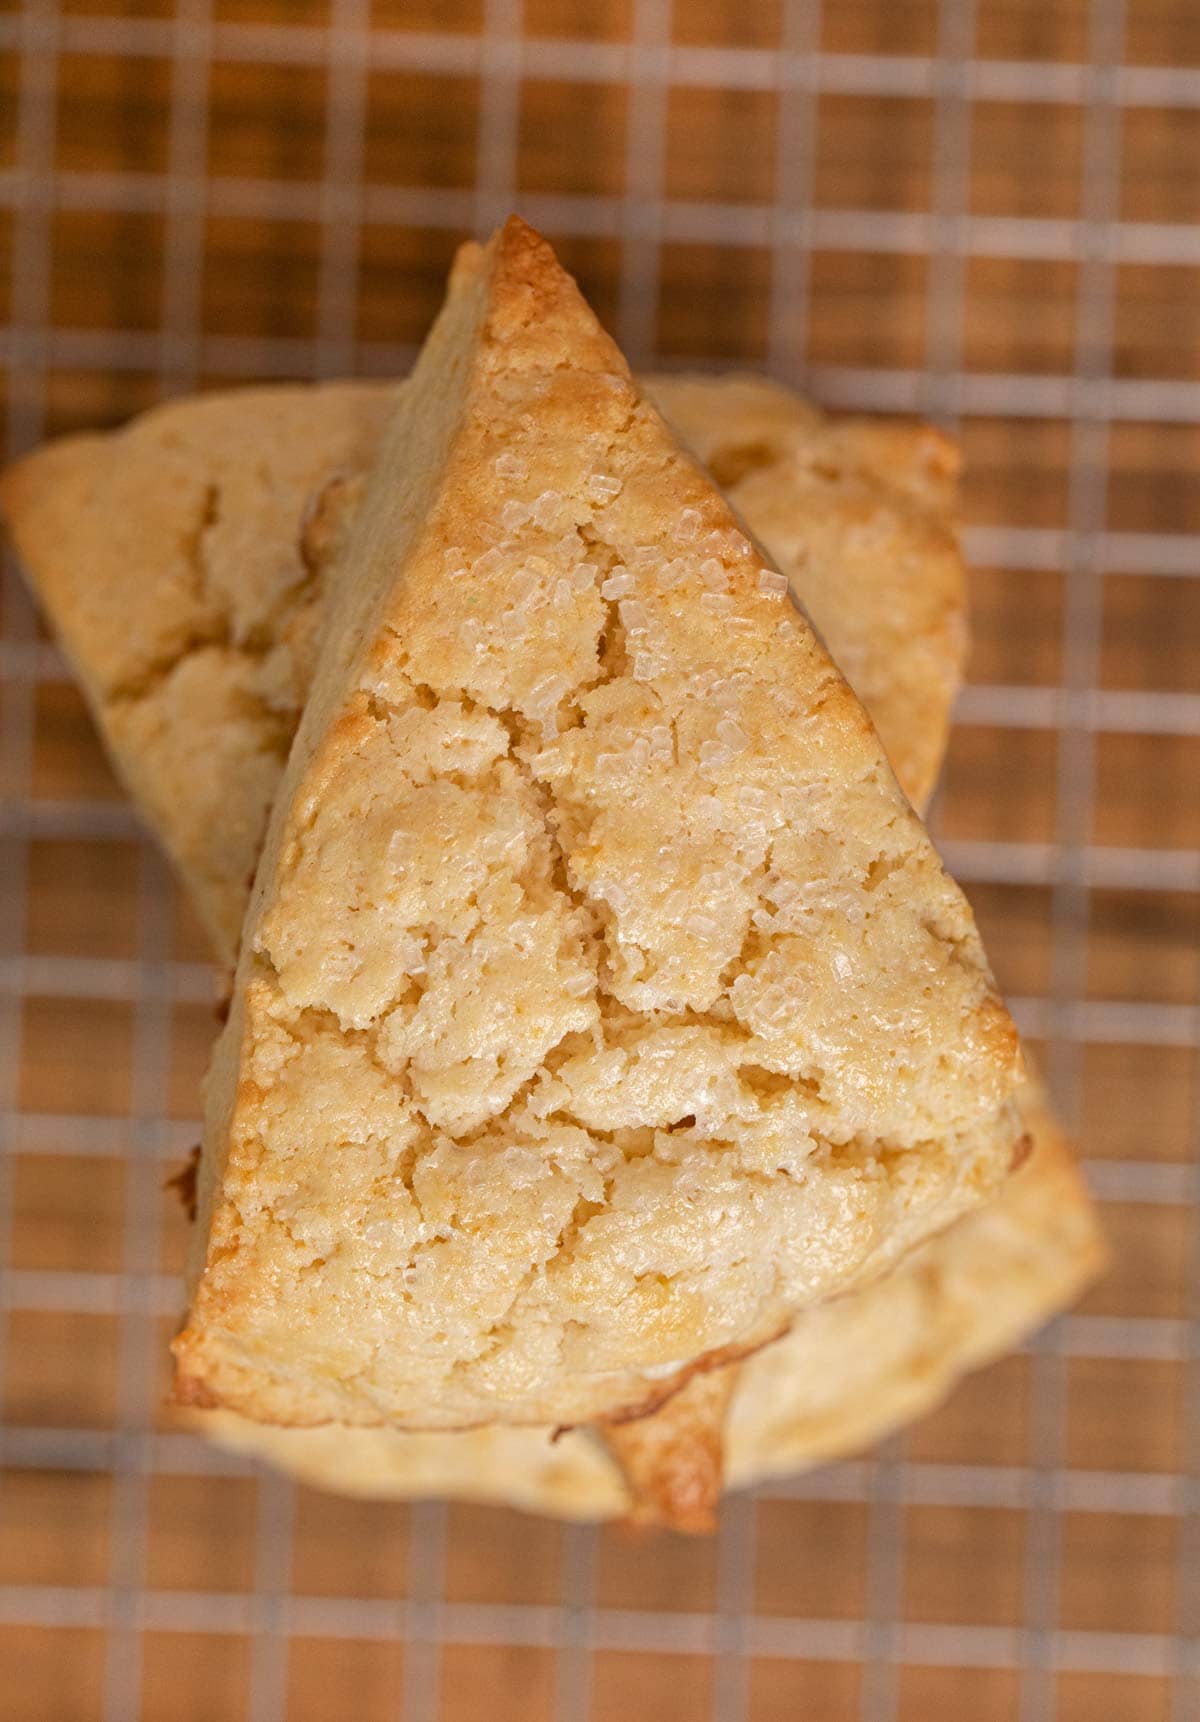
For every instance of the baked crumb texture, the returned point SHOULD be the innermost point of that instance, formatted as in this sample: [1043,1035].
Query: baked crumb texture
[184,562]
[602,1001]
[848,1373]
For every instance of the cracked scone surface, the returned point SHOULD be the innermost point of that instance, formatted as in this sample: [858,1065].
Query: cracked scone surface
[184,560]
[848,1373]
[169,558]
[603,1002]
[853,511]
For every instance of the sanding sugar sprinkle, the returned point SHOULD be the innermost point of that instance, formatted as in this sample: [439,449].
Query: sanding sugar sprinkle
[634,615]
[732,735]
[703,927]
[583,576]
[544,697]
[546,509]
[618,585]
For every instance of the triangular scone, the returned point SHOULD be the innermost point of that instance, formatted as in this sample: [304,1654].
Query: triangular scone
[1026,1252]
[871,500]
[968,1294]
[602,1001]
[183,561]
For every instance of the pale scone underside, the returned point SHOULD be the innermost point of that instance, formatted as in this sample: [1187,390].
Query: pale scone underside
[593,937]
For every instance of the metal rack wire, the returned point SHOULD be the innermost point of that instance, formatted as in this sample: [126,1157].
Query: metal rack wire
[1034,1553]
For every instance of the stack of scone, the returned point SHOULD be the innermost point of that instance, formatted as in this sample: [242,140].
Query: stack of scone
[614,1101]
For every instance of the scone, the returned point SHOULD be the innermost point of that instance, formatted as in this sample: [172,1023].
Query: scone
[861,513]
[847,1374]
[106,573]
[602,1003]
[170,558]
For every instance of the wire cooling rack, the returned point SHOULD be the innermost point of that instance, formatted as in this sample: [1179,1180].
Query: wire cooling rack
[986,210]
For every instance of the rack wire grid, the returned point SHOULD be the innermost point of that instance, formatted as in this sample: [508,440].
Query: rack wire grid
[983,210]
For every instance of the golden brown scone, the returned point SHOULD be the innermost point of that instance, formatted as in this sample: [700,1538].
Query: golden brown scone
[602,1002]
[67,541]
[190,726]
[848,1374]
[850,510]
[183,559]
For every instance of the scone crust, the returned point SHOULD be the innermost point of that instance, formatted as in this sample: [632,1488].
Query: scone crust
[847,1375]
[537,1227]
[852,510]
[169,557]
